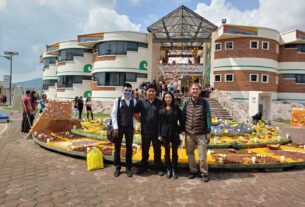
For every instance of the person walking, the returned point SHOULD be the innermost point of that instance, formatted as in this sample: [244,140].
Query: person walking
[169,130]
[123,124]
[26,112]
[197,118]
[80,106]
[147,112]
[89,107]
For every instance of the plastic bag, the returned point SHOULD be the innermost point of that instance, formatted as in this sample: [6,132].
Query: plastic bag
[95,159]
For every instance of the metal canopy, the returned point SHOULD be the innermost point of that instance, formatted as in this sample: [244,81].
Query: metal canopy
[182,26]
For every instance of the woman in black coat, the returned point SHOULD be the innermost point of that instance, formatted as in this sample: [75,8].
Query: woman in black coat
[170,126]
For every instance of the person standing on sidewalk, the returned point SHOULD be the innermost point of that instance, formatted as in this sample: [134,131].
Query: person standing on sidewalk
[197,117]
[26,112]
[147,112]
[89,107]
[123,123]
[169,130]
[80,104]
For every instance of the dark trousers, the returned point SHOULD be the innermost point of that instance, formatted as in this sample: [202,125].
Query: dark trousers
[89,112]
[128,132]
[171,164]
[80,111]
[26,122]
[146,140]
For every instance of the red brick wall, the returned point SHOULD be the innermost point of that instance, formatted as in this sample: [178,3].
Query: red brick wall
[241,49]
[60,90]
[290,86]
[291,55]
[95,87]
[242,81]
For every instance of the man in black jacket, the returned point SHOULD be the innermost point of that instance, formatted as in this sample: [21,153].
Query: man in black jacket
[147,111]
[123,124]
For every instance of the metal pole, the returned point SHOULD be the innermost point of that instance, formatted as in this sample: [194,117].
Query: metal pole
[11,71]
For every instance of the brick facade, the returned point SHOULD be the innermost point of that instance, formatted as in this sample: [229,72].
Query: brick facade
[95,87]
[290,55]
[241,49]
[242,81]
[290,86]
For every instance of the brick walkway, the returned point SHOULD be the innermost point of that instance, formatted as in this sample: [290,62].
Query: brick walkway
[33,176]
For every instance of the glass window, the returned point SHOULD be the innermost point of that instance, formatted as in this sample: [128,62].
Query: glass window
[229,45]
[68,54]
[132,46]
[229,77]
[47,83]
[254,44]
[121,48]
[141,75]
[300,78]
[217,46]
[131,77]
[48,61]
[217,78]
[253,77]
[265,78]
[140,44]
[301,48]
[289,76]
[265,45]
[67,81]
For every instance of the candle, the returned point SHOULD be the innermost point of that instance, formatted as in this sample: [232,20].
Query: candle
[209,152]
[255,139]
[220,160]
[74,127]
[253,159]
[287,136]
[48,140]
[282,158]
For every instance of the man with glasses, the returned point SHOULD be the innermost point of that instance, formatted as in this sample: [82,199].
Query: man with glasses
[123,124]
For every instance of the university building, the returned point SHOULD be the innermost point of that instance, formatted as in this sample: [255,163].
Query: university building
[180,48]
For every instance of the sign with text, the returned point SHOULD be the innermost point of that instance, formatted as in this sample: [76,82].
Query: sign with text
[6,81]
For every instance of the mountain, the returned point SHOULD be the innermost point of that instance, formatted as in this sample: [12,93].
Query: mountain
[35,83]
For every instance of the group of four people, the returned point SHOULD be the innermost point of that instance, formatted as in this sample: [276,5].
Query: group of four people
[162,122]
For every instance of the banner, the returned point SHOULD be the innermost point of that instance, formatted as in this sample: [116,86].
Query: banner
[6,81]
[298,117]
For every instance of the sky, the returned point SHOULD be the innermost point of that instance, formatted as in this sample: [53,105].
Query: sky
[27,26]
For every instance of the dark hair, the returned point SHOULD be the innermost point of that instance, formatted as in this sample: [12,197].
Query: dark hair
[196,84]
[173,99]
[27,92]
[128,85]
[151,86]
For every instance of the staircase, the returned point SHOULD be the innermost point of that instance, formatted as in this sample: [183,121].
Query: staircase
[217,110]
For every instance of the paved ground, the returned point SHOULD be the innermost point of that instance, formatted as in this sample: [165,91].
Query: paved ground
[33,176]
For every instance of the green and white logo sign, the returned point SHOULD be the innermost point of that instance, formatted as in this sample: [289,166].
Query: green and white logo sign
[88,68]
[87,94]
[143,65]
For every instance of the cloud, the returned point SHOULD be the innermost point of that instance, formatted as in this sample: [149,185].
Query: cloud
[103,20]
[280,15]
[2,5]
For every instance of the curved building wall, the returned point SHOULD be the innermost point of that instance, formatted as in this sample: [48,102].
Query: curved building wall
[121,57]
[73,70]
[49,76]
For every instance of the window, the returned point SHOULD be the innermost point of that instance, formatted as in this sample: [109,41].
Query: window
[265,45]
[289,76]
[118,47]
[47,83]
[265,78]
[48,61]
[68,54]
[217,46]
[300,47]
[217,78]
[253,77]
[229,77]
[300,78]
[254,44]
[116,78]
[229,45]
[67,81]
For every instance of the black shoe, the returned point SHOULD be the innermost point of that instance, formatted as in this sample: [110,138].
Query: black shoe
[191,176]
[205,178]
[168,173]
[140,171]
[175,176]
[129,173]
[117,173]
